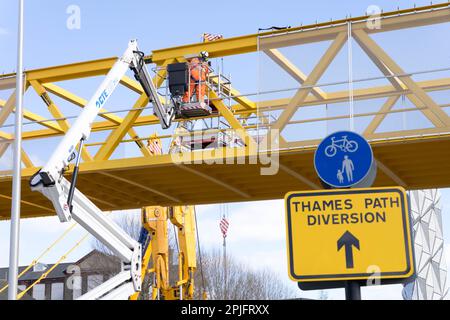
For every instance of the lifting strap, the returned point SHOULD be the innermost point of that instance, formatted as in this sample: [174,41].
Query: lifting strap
[36,261]
[350,75]
[60,260]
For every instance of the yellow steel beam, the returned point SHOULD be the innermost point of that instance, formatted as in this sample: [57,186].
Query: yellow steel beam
[232,121]
[134,170]
[136,87]
[235,95]
[373,125]
[7,83]
[319,32]
[78,101]
[215,180]
[310,81]
[42,121]
[46,209]
[399,85]
[70,97]
[153,190]
[369,44]
[394,154]
[72,71]
[298,176]
[7,108]
[34,117]
[6,136]
[54,110]
[278,104]
[162,160]
[359,94]
[26,159]
[408,133]
[382,136]
[387,171]
[293,71]
[117,135]
[132,85]
[394,80]
[327,31]
[3,148]
[400,19]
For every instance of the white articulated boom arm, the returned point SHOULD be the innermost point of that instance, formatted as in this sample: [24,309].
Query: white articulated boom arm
[70,202]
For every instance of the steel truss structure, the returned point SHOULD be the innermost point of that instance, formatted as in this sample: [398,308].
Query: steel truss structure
[160,180]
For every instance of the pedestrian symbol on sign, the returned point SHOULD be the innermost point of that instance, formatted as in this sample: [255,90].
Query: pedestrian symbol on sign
[348,167]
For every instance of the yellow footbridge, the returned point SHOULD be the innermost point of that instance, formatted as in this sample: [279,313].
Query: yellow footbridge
[414,157]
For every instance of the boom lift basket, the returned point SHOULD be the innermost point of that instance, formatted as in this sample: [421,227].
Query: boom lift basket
[184,88]
[195,109]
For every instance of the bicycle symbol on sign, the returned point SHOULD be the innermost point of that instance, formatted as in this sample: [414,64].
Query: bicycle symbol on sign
[343,144]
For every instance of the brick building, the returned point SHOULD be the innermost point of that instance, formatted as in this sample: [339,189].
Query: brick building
[67,281]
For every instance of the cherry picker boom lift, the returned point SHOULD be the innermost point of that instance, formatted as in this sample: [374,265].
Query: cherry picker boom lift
[70,203]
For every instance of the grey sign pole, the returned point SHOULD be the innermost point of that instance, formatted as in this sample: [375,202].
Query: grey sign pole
[15,205]
[352,290]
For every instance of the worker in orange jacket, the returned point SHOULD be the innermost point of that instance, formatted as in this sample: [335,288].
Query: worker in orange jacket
[198,71]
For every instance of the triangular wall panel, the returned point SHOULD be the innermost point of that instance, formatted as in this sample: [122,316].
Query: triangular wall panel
[431,281]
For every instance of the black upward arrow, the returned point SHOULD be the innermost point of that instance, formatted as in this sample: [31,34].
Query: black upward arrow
[349,241]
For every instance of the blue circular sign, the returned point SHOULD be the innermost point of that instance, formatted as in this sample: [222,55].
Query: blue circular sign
[343,159]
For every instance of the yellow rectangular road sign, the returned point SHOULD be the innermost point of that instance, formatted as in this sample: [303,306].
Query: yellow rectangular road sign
[349,234]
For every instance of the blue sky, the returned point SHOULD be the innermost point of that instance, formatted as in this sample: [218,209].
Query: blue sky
[257,230]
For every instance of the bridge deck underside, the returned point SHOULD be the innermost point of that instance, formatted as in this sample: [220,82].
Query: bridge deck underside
[421,162]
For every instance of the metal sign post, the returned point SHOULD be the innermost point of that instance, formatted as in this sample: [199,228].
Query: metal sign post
[352,290]
[15,206]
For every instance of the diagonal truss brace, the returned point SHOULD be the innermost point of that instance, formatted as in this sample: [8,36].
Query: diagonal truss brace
[381,58]
[293,71]
[117,135]
[56,113]
[310,81]
[78,101]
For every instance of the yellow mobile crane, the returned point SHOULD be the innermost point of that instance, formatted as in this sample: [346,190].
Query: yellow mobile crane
[154,220]
[155,243]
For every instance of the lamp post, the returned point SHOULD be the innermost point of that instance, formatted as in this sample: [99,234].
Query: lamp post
[16,187]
